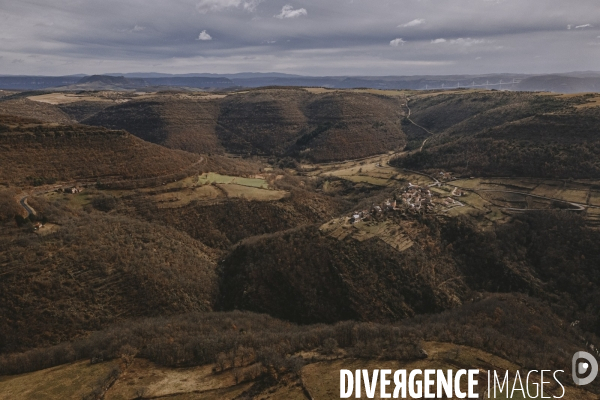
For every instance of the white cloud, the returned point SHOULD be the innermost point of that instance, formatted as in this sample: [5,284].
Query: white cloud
[205,6]
[288,12]
[204,36]
[569,26]
[467,41]
[397,42]
[460,41]
[414,22]
[583,26]
[138,28]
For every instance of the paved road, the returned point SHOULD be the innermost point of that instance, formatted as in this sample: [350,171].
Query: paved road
[578,206]
[23,202]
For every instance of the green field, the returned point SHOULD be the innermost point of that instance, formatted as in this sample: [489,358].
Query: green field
[212,177]
[367,179]
[77,200]
[252,193]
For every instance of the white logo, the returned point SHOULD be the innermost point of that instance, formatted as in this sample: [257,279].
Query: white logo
[582,367]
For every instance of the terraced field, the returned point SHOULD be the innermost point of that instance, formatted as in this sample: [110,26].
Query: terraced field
[391,234]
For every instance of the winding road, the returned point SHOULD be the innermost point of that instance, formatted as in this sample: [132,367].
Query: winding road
[417,125]
[23,202]
[578,206]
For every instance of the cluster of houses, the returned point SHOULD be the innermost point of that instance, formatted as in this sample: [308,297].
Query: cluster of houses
[417,198]
[367,215]
[414,198]
[449,201]
[71,190]
[445,176]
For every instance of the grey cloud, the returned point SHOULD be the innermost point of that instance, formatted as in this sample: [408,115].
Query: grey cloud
[288,12]
[205,6]
[332,38]
[397,42]
[467,41]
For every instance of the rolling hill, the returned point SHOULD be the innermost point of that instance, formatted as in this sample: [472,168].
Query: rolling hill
[31,151]
[508,134]
[307,276]
[268,122]
[190,267]
[320,127]
[95,269]
[23,107]
[178,122]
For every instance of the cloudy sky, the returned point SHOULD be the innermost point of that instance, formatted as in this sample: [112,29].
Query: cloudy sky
[310,37]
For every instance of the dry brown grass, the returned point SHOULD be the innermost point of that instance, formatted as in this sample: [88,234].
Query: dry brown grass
[157,381]
[64,98]
[72,381]
[32,109]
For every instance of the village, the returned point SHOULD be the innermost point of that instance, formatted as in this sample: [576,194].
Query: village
[417,199]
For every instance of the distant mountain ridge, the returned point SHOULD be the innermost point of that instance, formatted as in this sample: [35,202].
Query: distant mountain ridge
[583,81]
[560,84]
[105,82]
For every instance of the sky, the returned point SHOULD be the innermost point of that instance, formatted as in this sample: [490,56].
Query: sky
[308,37]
